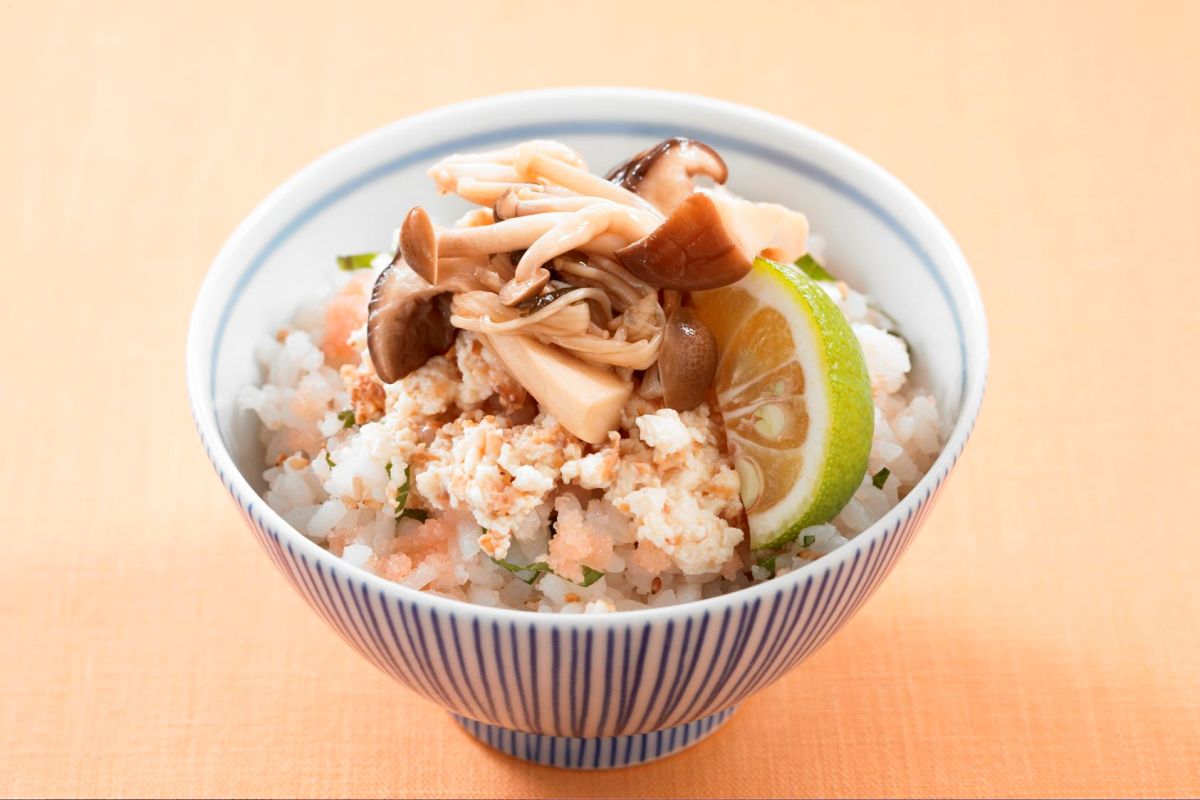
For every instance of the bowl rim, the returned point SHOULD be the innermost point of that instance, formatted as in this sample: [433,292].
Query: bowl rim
[970,312]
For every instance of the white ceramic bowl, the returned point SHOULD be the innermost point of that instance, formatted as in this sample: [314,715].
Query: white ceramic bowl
[595,690]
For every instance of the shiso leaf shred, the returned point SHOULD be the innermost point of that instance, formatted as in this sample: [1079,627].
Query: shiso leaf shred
[808,540]
[402,492]
[880,478]
[356,261]
[590,576]
[347,418]
[538,568]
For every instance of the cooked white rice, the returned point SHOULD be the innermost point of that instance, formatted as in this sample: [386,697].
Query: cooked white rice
[656,510]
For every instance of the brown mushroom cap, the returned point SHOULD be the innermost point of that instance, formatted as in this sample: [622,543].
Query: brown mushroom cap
[418,244]
[408,322]
[687,361]
[663,173]
[518,290]
[693,249]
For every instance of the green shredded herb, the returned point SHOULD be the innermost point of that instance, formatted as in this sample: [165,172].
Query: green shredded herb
[535,304]
[768,564]
[590,576]
[347,418]
[329,460]
[808,540]
[809,266]
[356,261]
[388,469]
[402,492]
[880,478]
[536,569]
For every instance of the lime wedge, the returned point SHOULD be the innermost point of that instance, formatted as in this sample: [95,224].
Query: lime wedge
[794,393]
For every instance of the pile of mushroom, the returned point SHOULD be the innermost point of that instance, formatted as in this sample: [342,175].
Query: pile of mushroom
[577,283]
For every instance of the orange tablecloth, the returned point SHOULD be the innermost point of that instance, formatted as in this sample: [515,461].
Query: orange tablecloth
[1042,636]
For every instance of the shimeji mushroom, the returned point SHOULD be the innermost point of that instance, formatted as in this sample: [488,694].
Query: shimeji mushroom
[687,361]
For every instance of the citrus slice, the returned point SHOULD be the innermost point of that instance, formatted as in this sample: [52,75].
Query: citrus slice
[793,390]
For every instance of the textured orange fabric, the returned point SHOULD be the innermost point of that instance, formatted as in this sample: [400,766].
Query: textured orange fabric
[1041,637]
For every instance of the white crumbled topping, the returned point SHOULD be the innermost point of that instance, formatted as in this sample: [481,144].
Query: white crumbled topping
[426,391]
[478,383]
[482,375]
[595,470]
[886,356]
[500,473]
[679,490]
[696,540]
[666,432]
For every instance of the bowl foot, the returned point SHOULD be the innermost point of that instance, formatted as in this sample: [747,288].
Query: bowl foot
[603,752]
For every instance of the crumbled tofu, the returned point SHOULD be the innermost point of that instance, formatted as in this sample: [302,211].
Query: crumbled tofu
[483,375]
[679,490]
[666,433]
[426,391]
[500,473]
[595,470]
[696,540]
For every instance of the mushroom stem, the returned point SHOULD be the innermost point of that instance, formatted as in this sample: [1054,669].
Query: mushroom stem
[513,204]
[612,266]
[623,294]
[508,155]
[501,237]
[578,180]
[486,193]
[451,171]
[493,173]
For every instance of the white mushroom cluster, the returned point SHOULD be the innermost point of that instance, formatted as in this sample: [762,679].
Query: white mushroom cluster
[577,282]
